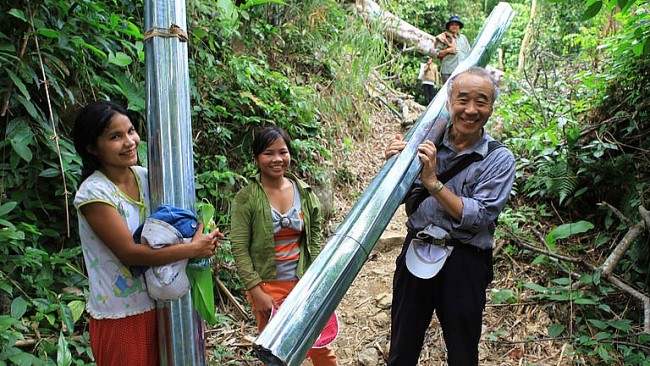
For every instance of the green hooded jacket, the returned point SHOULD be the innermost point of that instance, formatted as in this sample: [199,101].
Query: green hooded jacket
[251,232]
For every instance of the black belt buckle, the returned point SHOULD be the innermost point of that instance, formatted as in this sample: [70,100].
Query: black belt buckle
[439,242]
[434,241]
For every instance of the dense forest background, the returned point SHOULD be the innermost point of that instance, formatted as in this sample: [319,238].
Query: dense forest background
[575,110]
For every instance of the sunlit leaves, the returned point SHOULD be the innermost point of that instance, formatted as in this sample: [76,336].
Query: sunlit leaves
[119,58]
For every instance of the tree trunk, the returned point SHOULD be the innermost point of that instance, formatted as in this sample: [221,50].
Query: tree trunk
[524,51]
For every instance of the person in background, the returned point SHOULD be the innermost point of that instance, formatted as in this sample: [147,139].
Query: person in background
[276,231]
[460,214]
[452,47]
[430,79]
[111,202]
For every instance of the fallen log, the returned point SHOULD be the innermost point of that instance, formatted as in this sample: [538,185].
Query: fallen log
[400,30]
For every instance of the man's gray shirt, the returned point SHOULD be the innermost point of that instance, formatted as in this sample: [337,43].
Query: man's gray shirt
[484,187]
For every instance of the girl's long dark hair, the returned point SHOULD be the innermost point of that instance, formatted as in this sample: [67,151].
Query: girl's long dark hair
[90,123]
[266,137]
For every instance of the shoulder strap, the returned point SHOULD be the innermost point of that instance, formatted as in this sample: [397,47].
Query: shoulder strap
[418,193]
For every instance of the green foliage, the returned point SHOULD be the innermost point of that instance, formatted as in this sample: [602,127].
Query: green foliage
[83,51]
[595,333]
[573,156]
[304,66]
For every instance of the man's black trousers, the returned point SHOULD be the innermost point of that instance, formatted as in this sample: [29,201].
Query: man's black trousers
[456,294]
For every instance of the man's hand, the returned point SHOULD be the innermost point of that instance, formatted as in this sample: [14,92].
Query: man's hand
[427,154]
[394,146]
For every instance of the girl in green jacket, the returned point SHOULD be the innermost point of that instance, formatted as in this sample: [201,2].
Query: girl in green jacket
[275,231]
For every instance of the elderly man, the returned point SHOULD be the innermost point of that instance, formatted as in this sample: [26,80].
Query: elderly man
[452,47]
[446,261]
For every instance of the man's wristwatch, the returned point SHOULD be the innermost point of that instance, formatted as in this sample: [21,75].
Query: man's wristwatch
[438,187]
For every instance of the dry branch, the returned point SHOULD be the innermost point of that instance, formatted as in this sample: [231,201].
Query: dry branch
[632,234]
[232,299]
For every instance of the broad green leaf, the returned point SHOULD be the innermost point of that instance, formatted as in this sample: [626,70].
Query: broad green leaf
[7,207]
[132,92]
[644,338]
[584,301]
[142,154]
[597,323]
[63,354]
[18,307]
[22,150]
[77,308]
[536,287]
[6,322]
[555,330]
[19,14]
[207,217]
[566,230]
[96,50]
[50,173]
[68,319]
[132,30]
[120,59]
[30,108]
[603,335]
[50,33]
[24,359]
[51,318]
[503,297]
[586,279]
[8,48]
[18,83]
[591,11]
[4,286]
[540,259]
[9,232]
[622,324]
[603,353]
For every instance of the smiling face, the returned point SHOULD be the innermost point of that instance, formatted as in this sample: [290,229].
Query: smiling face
[116,147]
[470,104]
[274,160]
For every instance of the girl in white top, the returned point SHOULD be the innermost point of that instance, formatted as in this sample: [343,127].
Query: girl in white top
[112,201]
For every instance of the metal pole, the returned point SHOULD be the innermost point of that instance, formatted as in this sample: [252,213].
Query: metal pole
[290,334]
[171,169]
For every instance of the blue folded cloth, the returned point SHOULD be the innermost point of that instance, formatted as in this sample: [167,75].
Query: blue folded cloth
[184,221]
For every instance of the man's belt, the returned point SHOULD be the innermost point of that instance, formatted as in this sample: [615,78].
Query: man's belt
[440,242]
